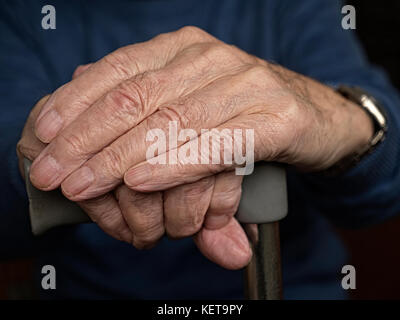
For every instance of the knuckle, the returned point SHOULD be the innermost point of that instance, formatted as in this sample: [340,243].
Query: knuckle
[147,236]
[26,150]
[146,232]
[185,112]
[73,144]
[70,100]
[130,100]
[243,56]
[185,227]
[143,228]
[227,203]
[113,161]
[183,221]
[231,205]
[173,113]
[198,188]
[91,205]
[191,31]
[141,243]
[106,216]
[126,101]
[146,218]
[258,73]
[193,34]
[42,101]
[220,52]
[166,37]
[119,62]
[110,224]
[139,198]
[197,110]
[138,243]
[21,147]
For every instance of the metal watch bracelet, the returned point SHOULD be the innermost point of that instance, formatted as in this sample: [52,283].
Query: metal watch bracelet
[378,116]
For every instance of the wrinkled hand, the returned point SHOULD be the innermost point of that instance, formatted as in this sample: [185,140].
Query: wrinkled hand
[142,218]
[97,124]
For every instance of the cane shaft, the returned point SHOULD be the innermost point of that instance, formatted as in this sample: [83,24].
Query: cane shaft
[263,277]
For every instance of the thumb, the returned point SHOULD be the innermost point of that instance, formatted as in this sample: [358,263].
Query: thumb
[227,247]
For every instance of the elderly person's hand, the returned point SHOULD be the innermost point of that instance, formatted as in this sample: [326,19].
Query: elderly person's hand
[97,124]
[138,218]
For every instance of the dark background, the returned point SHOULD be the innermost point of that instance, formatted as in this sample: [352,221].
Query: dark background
[378,27]
[374,251]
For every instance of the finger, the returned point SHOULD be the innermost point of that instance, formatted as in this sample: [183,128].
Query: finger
[29,146]
[108,72]
[106,212]
[105,170]
[227,247]
[81,69]
[233,147]
[224,201]
[124,107]
[144,215]
[185,207]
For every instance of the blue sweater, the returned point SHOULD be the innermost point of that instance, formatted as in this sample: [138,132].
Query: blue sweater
[305,36]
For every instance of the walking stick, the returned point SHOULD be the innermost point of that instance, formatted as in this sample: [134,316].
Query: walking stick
[263,202]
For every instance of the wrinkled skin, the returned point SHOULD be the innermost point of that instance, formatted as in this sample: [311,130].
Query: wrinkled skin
[138,218]
[91,137]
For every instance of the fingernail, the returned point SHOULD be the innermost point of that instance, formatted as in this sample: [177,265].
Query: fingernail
[48,126]
[78,181]
[45,172]
[137,176]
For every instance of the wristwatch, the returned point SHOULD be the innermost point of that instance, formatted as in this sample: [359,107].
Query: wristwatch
[378,116]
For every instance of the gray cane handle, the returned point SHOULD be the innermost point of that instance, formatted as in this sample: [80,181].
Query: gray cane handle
[263,200]
[264,195]
[49,209]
